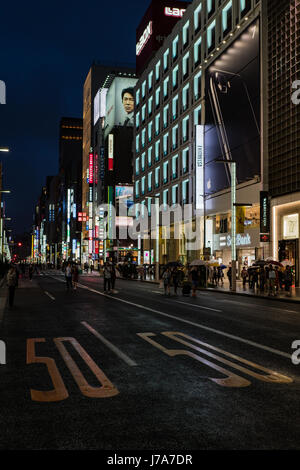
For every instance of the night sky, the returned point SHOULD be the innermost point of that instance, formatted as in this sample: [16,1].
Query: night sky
[46,50]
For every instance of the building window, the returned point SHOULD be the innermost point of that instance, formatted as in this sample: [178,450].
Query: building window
[166,59]
[157,177]
[197,18]
[143,203]
[175,48]
[150,156]
[143,89]
[175,137]
[143,138]
[157,71]
[166,88]
[137,189]
[157,150]
[149,205]
[150,182]
[197,85]
[175,77]
[185,129]
[165,144]
[175,167]
[137,97]
[197,116]
[150,129]
[137,166]
[185,34]
[185,97]
[143,185]
[175,194]
[165,199]
[166,172]
[150,80]
[197,52]
[185,66]
[227,18]
[143,161]
[137,143]
[245,7]
[137,120]
[157,124]
[166,116]
[157,97]
[185,192]
[143,113]
[185,155]
[211,6]
[150,104]
[211,36]
[175,107]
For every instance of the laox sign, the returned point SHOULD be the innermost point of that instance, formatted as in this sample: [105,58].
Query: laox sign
[175,12]
[144,39]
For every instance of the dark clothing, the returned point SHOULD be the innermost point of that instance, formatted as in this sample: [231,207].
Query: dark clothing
[107,282]
[12,290]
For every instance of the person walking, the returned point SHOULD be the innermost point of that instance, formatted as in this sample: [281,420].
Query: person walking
[195,277]
[272,278]
[107,277]
[229,275]
[215,276]
[262,279]
[175,279]
[12,282]
[113,278]
[288,281]
[68,275]
[167,281]
[75,276]
[244,275]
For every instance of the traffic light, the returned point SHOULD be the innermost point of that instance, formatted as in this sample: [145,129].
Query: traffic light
[19,244]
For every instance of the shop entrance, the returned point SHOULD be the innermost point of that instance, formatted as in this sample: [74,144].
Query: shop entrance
[289,249]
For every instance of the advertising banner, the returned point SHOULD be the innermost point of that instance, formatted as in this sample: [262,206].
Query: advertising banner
[264,212]
[232,112]
[120,103]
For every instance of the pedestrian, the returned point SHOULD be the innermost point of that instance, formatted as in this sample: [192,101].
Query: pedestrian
[215,276]
[194,275]
[276,280]
[229,275]
[288,281]
[167,281]
[30,272]
[113,277]
[255,280]
[262,279]
[175,279]
[11,284]
[107,277]
[244,275]
[75,276]
[272,278]
[68,274]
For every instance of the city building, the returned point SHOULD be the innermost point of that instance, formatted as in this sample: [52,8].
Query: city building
[198,107]
[281,23]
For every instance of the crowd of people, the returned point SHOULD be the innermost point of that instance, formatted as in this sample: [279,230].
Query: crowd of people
[268,279]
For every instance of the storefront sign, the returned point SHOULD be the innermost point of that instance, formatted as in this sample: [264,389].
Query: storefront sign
[174,12]
[291,227]
[110,152]
[264,212]
[144,39]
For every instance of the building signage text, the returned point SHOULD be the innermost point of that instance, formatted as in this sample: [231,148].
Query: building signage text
[144,38]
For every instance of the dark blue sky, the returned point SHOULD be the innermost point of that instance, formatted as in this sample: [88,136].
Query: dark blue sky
[46,50]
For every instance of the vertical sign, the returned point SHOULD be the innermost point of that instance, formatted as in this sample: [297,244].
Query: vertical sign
[199,154]
[91,168]
[264,212]
[110,152]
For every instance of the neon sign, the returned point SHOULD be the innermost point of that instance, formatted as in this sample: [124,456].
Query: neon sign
[144,39]
[174,12]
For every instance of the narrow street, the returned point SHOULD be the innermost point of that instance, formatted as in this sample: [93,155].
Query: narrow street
[137,370]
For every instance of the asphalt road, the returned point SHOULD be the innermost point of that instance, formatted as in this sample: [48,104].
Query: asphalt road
[136,370]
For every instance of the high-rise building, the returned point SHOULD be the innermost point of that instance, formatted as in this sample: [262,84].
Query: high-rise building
[282,56]
[199,101]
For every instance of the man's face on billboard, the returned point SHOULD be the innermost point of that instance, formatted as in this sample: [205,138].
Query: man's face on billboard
[128,103]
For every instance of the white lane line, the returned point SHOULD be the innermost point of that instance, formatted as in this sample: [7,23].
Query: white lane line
[49,295]
[111,346]
[197,325]
[197,306]
[257,305]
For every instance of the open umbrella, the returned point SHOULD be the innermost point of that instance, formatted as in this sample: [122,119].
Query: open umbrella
[286,262]
[259,262]
[173,264]
[223,266]
[274,263]
[198,262]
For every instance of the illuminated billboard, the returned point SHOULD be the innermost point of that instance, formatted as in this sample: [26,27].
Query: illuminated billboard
[120,103]
[232,120]
[100,104]
[124,195]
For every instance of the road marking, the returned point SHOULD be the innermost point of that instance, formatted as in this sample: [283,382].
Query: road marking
[197,325]
[256,305]
[49,295]
[111,346]
[198,306]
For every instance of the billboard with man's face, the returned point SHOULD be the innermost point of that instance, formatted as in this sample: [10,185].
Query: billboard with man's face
[120,103]
[232,121]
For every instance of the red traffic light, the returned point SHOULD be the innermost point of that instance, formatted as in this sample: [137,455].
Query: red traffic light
[19,244]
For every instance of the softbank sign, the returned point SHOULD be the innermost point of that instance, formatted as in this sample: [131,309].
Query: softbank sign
[2,92]
[144,38]
[174,12]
